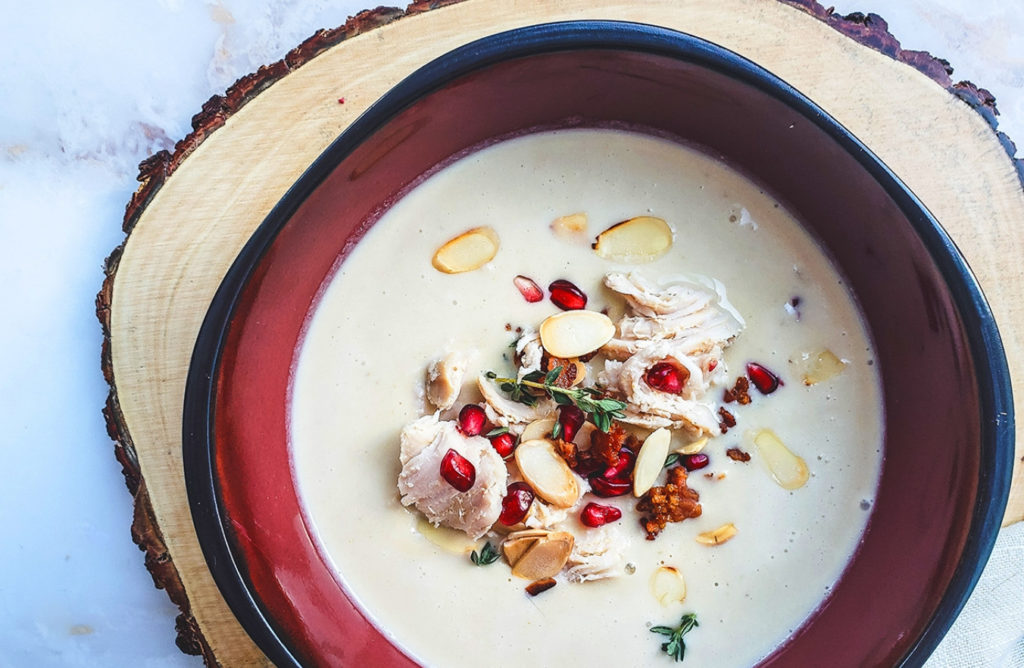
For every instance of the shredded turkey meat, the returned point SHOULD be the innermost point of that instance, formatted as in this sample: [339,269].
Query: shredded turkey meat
[424,443]
[687,321]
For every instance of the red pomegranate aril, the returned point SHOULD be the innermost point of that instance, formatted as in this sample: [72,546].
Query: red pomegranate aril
[764,380]
[571,418]
[697,461]
[528,288]
[504,444]
[472,420]
[516,504]
[623,467]
[457,471]
[595,515]
[567,296]
[605,487]
[665,377]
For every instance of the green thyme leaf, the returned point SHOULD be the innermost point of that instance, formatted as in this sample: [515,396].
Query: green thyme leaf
[676,647]
[556,430]
[671,459]
[553,375]
[496,432]
[488,555]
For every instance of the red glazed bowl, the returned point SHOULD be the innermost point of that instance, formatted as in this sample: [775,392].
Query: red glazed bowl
[932,527]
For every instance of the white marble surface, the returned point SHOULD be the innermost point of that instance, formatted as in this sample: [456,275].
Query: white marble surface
[87,90]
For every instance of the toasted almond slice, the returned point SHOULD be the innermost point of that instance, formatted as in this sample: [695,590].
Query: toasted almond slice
[470,250]
[819,367]
[515,548]
[581,372]
[694,447]
[547,556]
[575,333]
[537,429]
[667,585]
[448,539]
[640,239]
[717,536]
[571,226]
[583,435]
[788,470]
[547,473]
[650,460]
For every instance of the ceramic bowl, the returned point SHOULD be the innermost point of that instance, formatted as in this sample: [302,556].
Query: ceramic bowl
[948,436]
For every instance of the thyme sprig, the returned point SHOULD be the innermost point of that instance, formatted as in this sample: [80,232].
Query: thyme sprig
[675,647]
[602,410]
[488,555]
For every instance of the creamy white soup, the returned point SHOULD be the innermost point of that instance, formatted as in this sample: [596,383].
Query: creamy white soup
[388,313]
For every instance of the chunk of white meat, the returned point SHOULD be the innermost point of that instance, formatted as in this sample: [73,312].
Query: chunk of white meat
[529,352]
[545,516]
[513,415]
[424,444]
[597,554]
[694,311]
[651,408]
[444,379]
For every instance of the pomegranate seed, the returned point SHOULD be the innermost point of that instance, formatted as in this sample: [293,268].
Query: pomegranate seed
[764,380]
[595,515]
[528,288]
[606,487]
[567,296]
[571,418]
[697,461]
[712,365]
[665,377]
[623,467]
[472,419]
[457,471]
[504,444]
[516,504]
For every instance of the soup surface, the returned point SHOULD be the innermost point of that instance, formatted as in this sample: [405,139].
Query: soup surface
[387,313]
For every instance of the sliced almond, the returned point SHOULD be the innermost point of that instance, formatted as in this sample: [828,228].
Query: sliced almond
[694,447]
[575,333]
[667,585]
[650,460]
[546,558]
[581,372]
[819,367]
[717,536]
[538,429]
[571,226]
[448,539]
[470,250]
[547,473]
[640,239]
[583,435]
[787,469]
[515,548]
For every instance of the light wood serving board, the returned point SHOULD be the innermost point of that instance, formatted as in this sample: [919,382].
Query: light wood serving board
[196,207]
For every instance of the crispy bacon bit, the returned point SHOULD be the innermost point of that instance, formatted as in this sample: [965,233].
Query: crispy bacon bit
[568,451]
[709,475]
[568,375]
[728,420]
[540,586]
[605,447]
[508,327]
[673,502]
[738,455]
[740,393]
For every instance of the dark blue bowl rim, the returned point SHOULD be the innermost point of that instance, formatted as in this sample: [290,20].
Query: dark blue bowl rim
[992,373]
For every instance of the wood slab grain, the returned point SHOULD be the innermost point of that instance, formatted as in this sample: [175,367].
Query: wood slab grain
[197,206]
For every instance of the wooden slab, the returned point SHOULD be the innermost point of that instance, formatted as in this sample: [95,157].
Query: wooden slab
[196,207]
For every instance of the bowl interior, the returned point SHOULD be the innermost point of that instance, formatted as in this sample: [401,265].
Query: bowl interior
[943,481]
